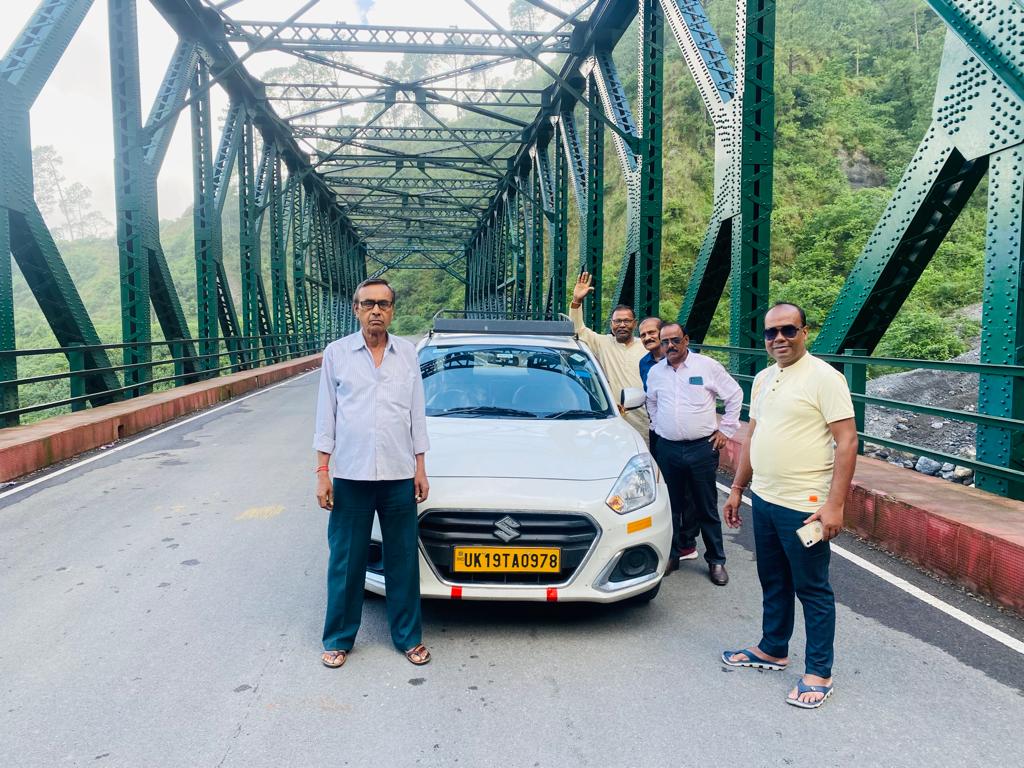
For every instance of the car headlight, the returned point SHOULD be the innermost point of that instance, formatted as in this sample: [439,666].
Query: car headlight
[636,487]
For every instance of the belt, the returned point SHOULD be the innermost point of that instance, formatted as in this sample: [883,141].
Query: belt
[686,442]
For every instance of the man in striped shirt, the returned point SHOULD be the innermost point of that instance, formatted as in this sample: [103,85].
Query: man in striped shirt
[370,417]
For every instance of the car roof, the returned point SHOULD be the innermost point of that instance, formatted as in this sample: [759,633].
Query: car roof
[495,339]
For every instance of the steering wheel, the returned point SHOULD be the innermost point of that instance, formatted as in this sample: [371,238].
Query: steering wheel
[454,398]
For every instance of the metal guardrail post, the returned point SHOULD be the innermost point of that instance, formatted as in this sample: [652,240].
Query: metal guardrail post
[76,365]
[857,377]
[177,353]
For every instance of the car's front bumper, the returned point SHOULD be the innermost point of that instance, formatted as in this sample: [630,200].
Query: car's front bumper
[594,577]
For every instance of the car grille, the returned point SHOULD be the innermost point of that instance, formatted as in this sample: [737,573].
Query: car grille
[441,530]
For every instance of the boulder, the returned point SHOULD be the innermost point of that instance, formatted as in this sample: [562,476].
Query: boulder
[963,474]
[947,467]
[927,466]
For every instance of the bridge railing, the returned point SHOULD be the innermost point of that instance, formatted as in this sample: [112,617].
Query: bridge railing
[170,367]
[854,365]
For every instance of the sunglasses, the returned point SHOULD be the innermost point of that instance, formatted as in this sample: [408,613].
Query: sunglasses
[369,304]
[789,331]
[671,342]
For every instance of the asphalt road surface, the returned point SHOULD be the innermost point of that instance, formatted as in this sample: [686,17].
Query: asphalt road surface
[161,605]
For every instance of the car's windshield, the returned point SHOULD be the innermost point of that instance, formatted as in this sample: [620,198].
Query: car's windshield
[501,381]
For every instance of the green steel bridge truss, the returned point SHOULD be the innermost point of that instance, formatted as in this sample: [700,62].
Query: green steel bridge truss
[489,196]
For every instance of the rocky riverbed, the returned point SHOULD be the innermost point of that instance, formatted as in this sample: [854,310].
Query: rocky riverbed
[941,389]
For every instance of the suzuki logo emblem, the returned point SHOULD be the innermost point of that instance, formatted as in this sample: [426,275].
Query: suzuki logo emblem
[507,529]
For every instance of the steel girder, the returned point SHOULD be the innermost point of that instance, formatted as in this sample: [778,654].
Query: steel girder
[475,136]
[139,151]
[715,79]
[977,127]
[347,95]
[23,72]
[593,218]
[369,38]
[751,260]
[201,59]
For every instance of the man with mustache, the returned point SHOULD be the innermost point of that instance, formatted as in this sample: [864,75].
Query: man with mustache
[618,353]
[370,417]
[800,454]
[682,391]
[650,337]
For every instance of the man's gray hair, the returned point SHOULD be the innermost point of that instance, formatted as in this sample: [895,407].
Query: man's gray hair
[650,319]
[373,281]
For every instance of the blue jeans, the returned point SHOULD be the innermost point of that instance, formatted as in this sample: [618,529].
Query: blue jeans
[786,568]
[348,534]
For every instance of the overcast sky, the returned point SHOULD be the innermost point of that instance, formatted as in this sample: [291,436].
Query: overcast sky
[73,112]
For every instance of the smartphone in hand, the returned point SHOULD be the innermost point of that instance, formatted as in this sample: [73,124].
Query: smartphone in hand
[810,534]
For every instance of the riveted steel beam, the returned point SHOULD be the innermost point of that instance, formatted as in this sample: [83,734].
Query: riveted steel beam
[24,70]
[8,363]
[30,60]
[593,220]
[991,29]
[1002,333]
[205,220]
[387,39]
[347,95]
[651,82]
[751,255]
[376,133]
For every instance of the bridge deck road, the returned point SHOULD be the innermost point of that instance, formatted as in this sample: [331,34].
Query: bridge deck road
[162,606]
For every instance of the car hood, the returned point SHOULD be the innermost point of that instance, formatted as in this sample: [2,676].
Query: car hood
[569,449]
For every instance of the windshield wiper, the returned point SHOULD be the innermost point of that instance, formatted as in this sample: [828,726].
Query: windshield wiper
[575,413]
[485,410]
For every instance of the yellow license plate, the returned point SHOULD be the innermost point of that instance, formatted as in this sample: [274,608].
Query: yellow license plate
[508,559]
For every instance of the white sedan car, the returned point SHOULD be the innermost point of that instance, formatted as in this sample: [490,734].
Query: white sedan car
[539,489]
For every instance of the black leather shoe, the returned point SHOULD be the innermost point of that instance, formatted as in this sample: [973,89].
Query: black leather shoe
[673,565]
[718,575]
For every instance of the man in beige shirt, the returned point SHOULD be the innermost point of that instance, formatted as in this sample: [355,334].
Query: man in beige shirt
[619,352]
[799,459]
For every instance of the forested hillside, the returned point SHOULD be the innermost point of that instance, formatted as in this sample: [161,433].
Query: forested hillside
[854,87]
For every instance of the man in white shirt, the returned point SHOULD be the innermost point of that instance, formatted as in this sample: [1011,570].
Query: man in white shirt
[370,417]
[682,391]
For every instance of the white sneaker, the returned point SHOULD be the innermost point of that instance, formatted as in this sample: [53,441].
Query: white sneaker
[688,554]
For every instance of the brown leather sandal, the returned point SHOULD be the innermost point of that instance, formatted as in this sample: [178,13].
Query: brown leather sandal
[418,655]
[333,659]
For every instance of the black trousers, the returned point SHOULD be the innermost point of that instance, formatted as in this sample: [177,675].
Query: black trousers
[689,467]
[348,534]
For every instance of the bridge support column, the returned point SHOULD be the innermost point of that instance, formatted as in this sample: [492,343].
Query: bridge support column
[1002,331]
[752,244]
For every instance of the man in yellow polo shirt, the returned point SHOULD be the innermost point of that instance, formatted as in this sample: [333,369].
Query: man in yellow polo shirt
[800,453]
[619,353]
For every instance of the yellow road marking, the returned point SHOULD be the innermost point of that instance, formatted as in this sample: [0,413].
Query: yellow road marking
[261,513]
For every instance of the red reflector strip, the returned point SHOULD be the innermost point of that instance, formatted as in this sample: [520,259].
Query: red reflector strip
[456,593]
[552,595]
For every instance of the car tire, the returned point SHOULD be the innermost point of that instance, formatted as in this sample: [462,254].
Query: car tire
[645,597]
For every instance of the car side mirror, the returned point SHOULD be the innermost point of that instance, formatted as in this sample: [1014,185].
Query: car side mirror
[632,398]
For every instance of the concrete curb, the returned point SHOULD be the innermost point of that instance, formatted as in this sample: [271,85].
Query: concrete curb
[34,446]
[968,536]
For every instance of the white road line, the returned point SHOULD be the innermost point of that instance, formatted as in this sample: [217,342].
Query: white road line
[999,636]
[104,454]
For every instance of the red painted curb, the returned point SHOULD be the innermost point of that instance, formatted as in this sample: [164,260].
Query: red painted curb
[968,536]
[34,446]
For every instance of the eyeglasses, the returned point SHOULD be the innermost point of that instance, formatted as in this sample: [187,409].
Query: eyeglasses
[369,304]
[677,341]
[789,331]
[627,321]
